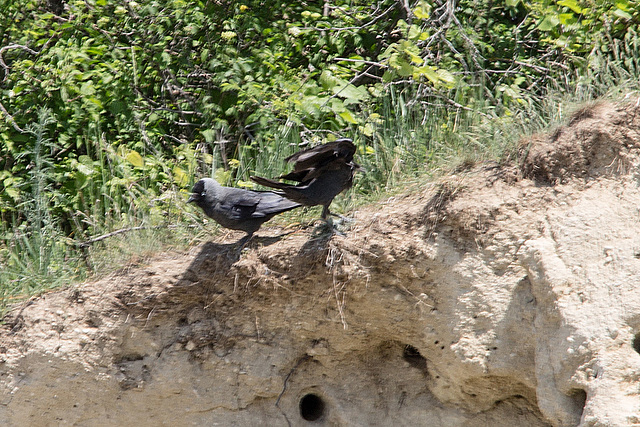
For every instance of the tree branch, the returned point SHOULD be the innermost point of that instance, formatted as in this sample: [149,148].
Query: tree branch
[12,46]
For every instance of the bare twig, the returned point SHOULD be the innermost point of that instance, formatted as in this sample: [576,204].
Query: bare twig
[340,302]
[12,46]
[10,119]
[362,61]
[126,230]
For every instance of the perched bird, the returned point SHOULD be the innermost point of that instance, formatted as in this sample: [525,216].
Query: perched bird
[236,208]
[322,172]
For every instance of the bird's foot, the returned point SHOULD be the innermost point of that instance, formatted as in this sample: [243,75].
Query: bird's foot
[343,219]
[327,227]
[242,243]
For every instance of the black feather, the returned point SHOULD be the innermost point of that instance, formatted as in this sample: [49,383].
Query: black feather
[322,172]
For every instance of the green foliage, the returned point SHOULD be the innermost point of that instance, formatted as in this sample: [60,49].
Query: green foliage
[110,110]
[34,257]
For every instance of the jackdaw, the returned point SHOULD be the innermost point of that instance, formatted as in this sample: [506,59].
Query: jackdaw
[236,208]
[322,172]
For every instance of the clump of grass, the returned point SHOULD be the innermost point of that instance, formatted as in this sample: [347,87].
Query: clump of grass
[35,253]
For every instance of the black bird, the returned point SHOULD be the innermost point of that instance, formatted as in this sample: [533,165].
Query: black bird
[322,172]
[236,208]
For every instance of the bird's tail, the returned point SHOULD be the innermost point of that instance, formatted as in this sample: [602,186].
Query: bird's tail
[269,182]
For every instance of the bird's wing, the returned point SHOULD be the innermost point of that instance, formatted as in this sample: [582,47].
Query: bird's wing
[312,155]
[313,162]
[328,167]
[272,203]
[301,175]
[269,182]
[241,204]
[310,163]
[340,148]
[246,204]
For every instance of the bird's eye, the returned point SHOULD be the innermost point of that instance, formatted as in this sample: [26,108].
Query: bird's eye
[203,193]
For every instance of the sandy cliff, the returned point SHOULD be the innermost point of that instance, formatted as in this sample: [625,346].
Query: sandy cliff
[503,295]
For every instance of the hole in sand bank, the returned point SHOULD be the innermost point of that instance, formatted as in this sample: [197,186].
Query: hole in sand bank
[636,343]
[311,407]
[413,357]
[579,398]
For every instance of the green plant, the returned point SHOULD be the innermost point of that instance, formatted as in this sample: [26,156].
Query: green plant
[35,251]
[145,97]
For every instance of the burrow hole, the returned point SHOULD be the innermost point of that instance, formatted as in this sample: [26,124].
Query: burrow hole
[636,343]
[312,407]
[413,356]
[579,399]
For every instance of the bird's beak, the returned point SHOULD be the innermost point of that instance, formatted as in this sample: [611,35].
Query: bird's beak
[358,168]
[192,198]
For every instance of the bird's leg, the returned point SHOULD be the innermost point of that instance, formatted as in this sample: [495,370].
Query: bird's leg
[326,216]
[243,242]
[327,227]
[325,212]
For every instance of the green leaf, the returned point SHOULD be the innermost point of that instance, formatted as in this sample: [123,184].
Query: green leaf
[623,5]
[222,176]
[414,32]
[416,59]
[447,78]
[329,81]
[12,192]
[566,18]
[351,92]
[85,165]
[622,14]
[336,105]
[180,176]
[95,101]
[549,23]
[571,4]
[209,135]
[430,73]
[348,117]
[401,65]
[135,159]
[87,88]
[422,10]
[367,129]
[245,184]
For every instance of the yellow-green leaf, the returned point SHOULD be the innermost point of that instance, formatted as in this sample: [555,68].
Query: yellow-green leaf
[245,184]
[429,72]
[549,23]
[446,77]
[566,18]
[571,4]
[135,159]
[180,176]
[348,117]
[222,176]
[367,129]
[209,135]
[422,10]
